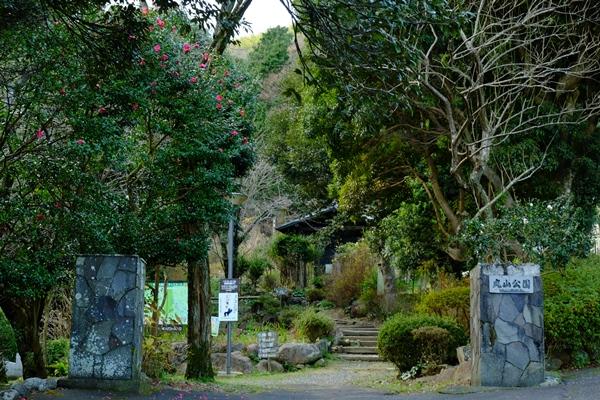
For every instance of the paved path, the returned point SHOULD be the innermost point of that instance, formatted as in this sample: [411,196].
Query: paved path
[581,387]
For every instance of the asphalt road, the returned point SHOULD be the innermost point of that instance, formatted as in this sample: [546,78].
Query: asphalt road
[581,387]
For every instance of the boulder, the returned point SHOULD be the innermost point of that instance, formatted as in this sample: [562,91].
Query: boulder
[239,362]
[10,395]
[269,366]
[178,354]
[34,384]
[320,363]
[298,353]
[252,350]
[324,346]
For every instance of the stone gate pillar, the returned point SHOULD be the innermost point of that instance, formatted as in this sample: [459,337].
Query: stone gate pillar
[507,325]
[107,327]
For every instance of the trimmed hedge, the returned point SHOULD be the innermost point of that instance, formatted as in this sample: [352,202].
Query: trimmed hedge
[572,312]
[397,343]
[8,343]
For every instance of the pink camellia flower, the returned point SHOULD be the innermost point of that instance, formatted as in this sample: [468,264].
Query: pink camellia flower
[186,48]
[202,66]
[62,91]
[160,22]
[157,48]
[196,45]
[219,106]
[80,141]
[205,57]
[164,57]
[102,111]
[142,62]
[135,106]
[242,112]
[39,134]
[174,29]
[151,28]
[193,79]
[219,98]
[234,133]
[145,11]
[244,140]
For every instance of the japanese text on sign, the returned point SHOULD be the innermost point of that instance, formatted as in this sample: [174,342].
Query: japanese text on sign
[267,344]
[511,284]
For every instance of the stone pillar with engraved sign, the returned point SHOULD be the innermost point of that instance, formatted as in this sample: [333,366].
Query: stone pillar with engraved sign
[507,325]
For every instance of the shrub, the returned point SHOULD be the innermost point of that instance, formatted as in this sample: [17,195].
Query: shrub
[57,357]
[356,262]
[256,268]
[270,281]
[397,344]
[433,343]
[156,361]
[572,311]
[313,325]
[265,308]
[8,344]
[287,316]
[314,294]
[451,302]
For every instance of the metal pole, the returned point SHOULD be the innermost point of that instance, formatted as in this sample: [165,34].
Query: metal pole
[229,276]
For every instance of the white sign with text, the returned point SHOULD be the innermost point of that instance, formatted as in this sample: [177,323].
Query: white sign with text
[511,284]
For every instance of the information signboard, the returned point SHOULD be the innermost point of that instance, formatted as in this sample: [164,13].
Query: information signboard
[267,345]
[228,300]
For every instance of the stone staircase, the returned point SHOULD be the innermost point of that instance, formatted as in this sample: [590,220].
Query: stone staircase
[356,340]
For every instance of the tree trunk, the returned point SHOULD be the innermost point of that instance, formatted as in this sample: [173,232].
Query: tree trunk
[199,362]
[390,292]
[26,319]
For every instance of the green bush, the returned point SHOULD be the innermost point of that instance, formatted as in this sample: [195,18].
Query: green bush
[57,357]
[256,269]
[314,294]
[155,360]
[269,281]
[8,344]
[397,344]
[572,311]
[451,302]
[288,315]
[433,343]
[265,308]
[313,325]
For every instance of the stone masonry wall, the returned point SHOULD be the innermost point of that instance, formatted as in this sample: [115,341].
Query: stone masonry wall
[108,314]
[507,329]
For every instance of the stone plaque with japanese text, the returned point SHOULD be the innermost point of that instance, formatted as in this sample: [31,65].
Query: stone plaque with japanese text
[511,284]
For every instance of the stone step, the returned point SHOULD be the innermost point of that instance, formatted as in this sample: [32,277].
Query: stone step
[358,350]
[359,341]
[359,332]
[359,357]
[349,324]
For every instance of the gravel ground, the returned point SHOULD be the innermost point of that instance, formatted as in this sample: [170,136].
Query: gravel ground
[336,374]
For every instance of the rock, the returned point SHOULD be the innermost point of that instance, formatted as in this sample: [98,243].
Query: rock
[252,350]
[20,388]
[550,381]
[269,366]
[239,362]
[181,368]
[238,347]
[49,384]
[299,366]
[10,395]
[14,370]
[34,384]
[178,354]
[553,364]
[463,354]
[324,346]
[320,363]
[298,353]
